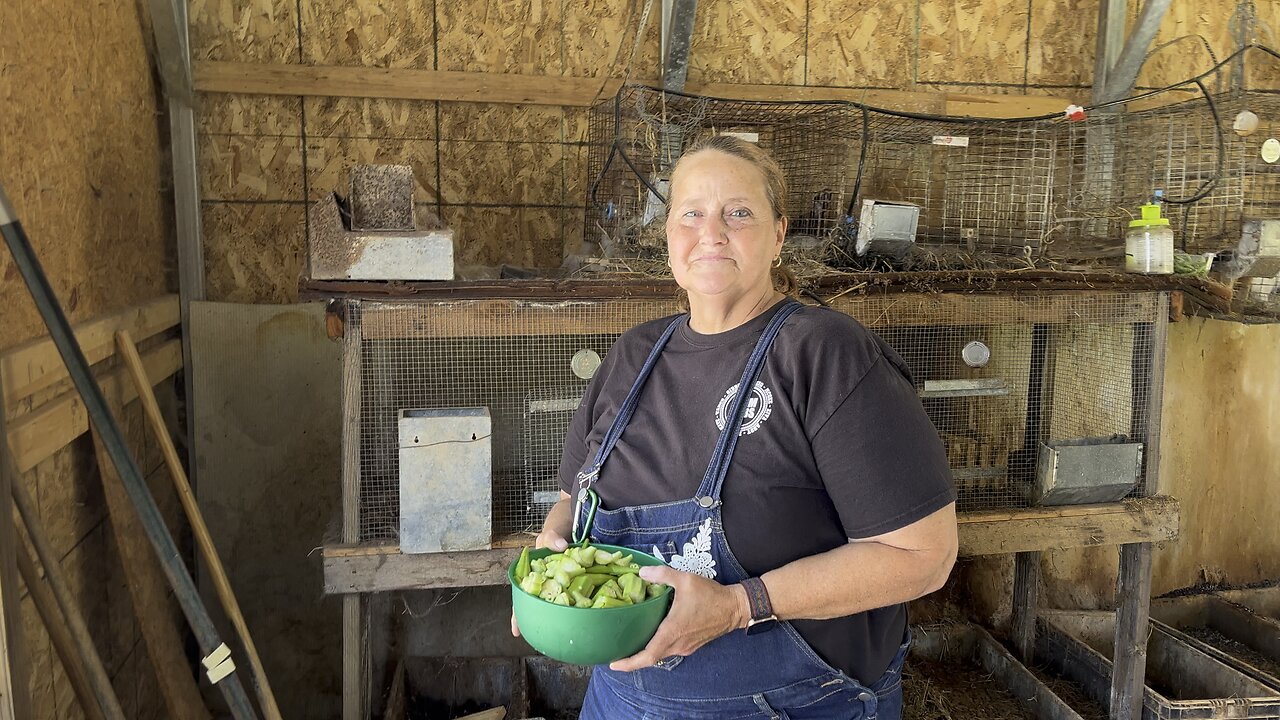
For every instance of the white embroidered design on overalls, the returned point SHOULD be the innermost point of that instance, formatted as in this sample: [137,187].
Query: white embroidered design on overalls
[696,557]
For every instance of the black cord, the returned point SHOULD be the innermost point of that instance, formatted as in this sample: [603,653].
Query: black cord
[862,160]
[1208,185]
[980,120]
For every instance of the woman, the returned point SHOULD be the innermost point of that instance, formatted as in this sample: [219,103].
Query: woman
[796,518]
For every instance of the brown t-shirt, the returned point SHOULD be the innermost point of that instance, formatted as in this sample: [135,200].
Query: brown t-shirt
[836,446]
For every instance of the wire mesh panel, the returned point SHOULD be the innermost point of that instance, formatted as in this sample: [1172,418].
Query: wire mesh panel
[1057,366]
[636,137]
[993,192]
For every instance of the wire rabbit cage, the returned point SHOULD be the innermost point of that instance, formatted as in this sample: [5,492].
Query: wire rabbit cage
[1055,366]
[990,193]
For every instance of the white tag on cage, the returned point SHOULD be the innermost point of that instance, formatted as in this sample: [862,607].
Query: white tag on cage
[750,137]
[545,497]
[956,140]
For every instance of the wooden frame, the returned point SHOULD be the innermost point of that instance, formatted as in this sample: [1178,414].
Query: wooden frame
[412,84]
[353,568]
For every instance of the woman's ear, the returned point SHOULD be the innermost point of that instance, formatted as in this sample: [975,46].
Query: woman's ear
[782,229]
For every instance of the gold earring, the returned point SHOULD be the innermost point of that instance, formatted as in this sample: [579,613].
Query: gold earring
[777,261]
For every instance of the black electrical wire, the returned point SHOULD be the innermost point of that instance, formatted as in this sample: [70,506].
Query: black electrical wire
[862,160]
[1208,185]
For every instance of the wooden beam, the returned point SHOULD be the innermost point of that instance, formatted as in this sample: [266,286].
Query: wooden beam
[1026,587]
[353,683]
[506,317]
[32,367]
[1000,532]
[400,84]
[359,568]
[410,84]
[1133,590]
[40,434]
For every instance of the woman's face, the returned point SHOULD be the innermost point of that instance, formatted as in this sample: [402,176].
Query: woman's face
[722,236]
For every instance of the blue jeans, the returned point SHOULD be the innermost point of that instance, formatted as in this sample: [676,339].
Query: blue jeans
[834,697]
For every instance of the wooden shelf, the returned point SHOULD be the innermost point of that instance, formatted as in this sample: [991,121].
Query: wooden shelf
[382,567]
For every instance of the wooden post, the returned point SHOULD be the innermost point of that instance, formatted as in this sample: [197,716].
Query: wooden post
[352,627]
[15,700]
[72,662]
[1133,591]
[1026,587]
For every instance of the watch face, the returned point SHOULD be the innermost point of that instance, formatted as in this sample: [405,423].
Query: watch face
[759,626]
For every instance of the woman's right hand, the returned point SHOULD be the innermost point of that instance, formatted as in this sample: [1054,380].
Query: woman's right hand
[549,538]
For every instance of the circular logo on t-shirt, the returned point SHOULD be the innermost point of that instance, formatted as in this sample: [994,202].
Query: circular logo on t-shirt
[759,405]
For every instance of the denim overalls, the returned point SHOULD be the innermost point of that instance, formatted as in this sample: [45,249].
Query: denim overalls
[774,674]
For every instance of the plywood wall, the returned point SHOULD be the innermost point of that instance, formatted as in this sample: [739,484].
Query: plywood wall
[83,162]
[1219,456]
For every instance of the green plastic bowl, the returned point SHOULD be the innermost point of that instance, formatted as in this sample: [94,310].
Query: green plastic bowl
[587,636]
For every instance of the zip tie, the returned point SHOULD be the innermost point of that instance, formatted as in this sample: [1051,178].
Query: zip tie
[218,663]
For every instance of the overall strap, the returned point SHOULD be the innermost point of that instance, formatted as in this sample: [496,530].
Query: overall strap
[587,477]
[709,491]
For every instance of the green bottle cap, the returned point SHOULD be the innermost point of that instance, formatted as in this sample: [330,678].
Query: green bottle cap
[1150,216]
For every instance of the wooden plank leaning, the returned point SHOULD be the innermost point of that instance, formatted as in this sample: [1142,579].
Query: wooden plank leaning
[133,362]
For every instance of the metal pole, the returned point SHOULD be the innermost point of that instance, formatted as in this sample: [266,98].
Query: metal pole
[117,448]
[1121,79]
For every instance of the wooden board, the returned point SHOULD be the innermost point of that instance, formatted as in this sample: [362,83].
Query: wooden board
[15,696]
[492,318]
[263,31]
[1153,519]
[150,594]
[37,365]
[42,433]
[411,84]
[382,567]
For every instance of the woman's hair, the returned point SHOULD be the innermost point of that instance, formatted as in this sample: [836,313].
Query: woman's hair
[775,188]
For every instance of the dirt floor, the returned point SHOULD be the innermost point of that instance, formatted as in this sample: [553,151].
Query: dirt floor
[1268,665]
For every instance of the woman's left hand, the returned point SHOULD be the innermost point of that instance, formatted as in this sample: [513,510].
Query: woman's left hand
[701,611]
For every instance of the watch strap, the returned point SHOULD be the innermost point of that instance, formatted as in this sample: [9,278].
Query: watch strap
[758,599]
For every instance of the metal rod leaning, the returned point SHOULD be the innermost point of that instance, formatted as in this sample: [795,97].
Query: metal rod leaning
[184,588]
[133,362]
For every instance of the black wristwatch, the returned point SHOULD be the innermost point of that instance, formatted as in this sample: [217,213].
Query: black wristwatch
[762,617]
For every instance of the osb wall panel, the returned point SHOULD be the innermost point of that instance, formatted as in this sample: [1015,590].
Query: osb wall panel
[500,173]
[981,46]
[512,36]
[246,167]
[329,161]
[1218,455]
[254,252]
[600,35]
[522,236]
[221,114]
[370,118]
[1063,38]
[978,41]
[759,42]
[238,31]
[861,44]
[83,165]
[383,34]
